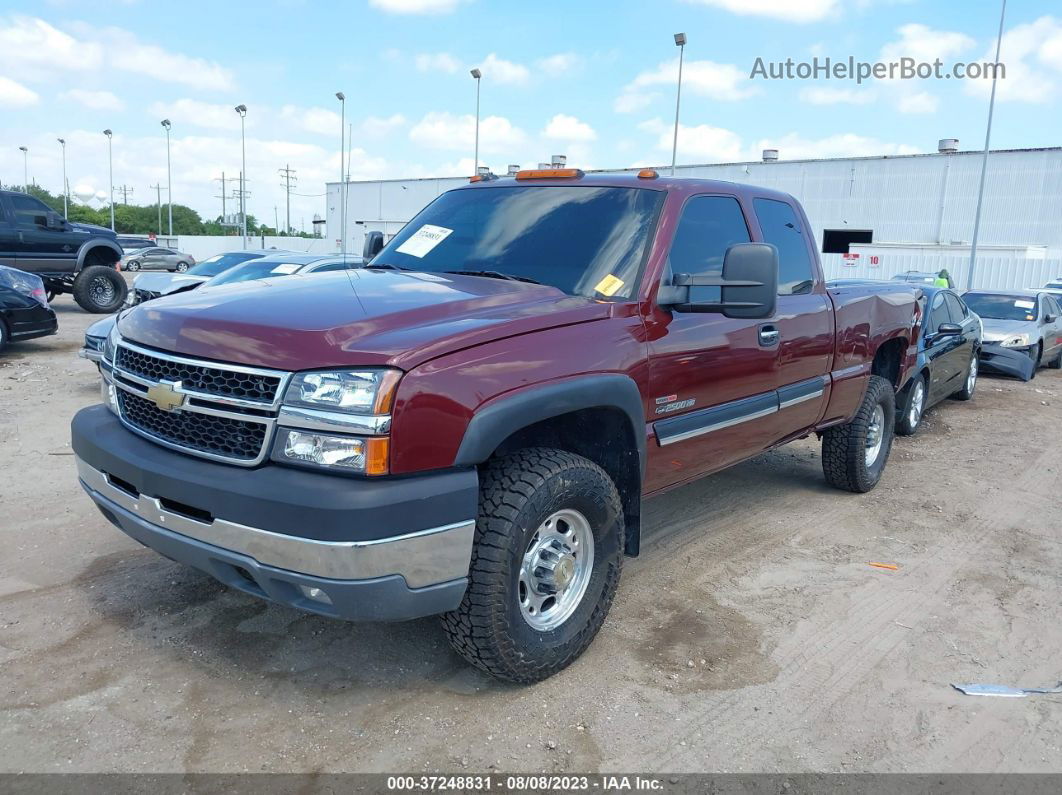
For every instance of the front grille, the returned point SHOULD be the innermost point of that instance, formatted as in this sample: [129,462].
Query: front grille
[200,378]
[236,439]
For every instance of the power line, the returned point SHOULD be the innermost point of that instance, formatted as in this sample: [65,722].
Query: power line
[288,175]
[125,190]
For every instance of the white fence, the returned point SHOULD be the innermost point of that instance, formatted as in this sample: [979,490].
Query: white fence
[203,246]
[991,272]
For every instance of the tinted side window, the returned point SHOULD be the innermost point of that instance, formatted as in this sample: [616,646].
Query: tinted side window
[1051,305]
[708,227]
[332,266]
[938,312]
[29,211]
[955,308]
[783,229]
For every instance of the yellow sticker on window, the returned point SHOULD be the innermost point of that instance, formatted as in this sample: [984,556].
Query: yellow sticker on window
[610,285]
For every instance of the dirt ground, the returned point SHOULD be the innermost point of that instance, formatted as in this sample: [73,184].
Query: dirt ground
[751,635]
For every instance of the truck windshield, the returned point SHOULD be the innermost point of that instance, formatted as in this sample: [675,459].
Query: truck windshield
[1001,307]
[583,240]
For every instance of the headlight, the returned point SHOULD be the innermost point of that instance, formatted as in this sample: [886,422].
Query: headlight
[111,343]
[27,284]
[350,391]
[1017,341]
[361,455]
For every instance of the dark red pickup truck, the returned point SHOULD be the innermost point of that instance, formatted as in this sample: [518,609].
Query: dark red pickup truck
[468,425]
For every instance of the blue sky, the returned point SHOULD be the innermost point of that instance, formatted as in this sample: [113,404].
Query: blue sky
[593,80]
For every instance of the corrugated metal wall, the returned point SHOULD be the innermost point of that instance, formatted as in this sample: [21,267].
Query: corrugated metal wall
[991,272]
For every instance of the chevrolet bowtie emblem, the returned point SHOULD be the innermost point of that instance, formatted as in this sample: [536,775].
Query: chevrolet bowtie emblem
[166,396]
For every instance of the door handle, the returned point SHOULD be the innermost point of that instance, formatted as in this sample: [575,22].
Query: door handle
[769,336]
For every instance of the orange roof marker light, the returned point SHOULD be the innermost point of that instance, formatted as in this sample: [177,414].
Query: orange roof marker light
[550,173]
[647,173]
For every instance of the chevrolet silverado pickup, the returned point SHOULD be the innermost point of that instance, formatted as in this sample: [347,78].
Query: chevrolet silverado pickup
[468,425]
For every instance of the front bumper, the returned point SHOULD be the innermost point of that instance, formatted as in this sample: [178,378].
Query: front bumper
[353,549]
[1015,362]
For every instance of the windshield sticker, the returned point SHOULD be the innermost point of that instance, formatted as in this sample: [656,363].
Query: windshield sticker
[610,285]
[1024,304]
[424,240]
[287,267]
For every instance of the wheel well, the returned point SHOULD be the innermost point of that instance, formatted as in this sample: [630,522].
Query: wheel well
[100,255]
[603,435]
[887,360]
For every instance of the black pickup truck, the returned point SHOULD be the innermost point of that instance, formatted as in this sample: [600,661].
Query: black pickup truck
[71,258]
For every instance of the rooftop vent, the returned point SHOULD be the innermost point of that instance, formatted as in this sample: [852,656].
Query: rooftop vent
[559,161]
[513,168]
[483,170]
[947,146]
[770,155]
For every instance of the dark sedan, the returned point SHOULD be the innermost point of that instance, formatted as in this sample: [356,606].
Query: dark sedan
[24,310]
[948,346]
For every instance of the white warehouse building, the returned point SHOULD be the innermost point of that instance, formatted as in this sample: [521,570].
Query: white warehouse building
[872,216]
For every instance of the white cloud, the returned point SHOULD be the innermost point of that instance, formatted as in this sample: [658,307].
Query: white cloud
[1032,54]
[436,62]
[447,131]
[416,6]
[703,78]
[31,44]
[498,70]
[557,65]
[16,95]
[96,100]
[924,45]
[786,10]
[376,127]
[193,112]
[917,102]
[836,96]
[568,128]
[126,52]
[701,142]
[315,120]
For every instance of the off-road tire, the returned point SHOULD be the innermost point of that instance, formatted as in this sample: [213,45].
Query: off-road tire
[84,295]
[182,267]
[517,493]
[844,446]
[967,392]
[904,424]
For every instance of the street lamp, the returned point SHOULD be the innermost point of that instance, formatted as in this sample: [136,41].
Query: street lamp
[110,173]
[342,175]
[476,75]
[169,175]
[242,110]
[680,42]
[66,187]
[25,168]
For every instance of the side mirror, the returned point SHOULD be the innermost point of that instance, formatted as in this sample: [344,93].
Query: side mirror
[53,221]
[374,243]
[949,330]
[749,284]
[1050,318]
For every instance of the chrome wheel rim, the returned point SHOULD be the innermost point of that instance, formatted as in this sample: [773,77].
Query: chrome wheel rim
[875,435]
[971,377]
[918,399]
[555,570]
[182,268]
[101,290]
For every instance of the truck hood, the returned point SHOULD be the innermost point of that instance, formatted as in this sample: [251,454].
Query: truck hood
[92,229]
[166,283]
[352,318]
[996,330]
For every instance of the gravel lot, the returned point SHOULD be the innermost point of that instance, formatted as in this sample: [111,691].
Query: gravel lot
[751,635]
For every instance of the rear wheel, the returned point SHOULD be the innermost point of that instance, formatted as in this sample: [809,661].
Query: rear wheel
[182,267]
[132,265]
[970,384]
[854,454]
[545,565]
[100,289]
[910,418]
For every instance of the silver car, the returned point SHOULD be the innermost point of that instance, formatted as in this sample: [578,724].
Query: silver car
[1027,321]
[157,259]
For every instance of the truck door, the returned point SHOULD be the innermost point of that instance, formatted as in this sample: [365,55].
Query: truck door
[8,236]
[42,249]
[709,371]
[803,321]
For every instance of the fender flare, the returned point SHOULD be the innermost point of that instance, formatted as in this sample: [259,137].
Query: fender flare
[498,420]
[96,242]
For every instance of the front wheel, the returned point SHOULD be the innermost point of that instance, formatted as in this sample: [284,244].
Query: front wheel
[546,562]
[970,384]
[854,454]
[182,267]
[100,289]
[133,265]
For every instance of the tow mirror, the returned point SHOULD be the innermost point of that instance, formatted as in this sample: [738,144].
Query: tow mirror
[749,284]
[53,221]
[949,330]
[374,243]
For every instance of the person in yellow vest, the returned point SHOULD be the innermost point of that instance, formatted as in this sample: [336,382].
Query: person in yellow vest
[943,279]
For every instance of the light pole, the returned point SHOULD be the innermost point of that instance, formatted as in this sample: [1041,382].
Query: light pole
[984,159]
[110,173]
[169,176]
[476,75]
[680,42]
[342,176]
[242,110]
[25,168]
[66,188]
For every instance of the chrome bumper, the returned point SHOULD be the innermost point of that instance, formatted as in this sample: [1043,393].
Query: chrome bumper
[424,558]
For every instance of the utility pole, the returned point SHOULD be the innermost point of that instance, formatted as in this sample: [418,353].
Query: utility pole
[222,196]
[288,175]
[158,203]
[125,190]
[276,220]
